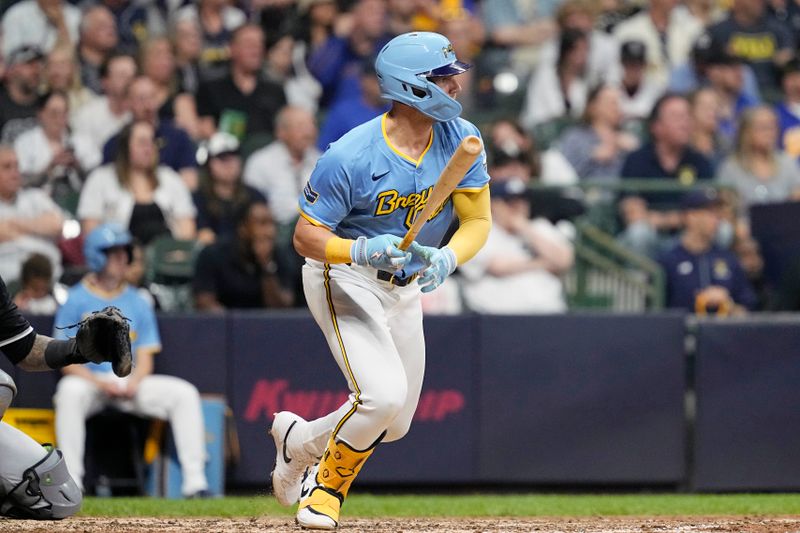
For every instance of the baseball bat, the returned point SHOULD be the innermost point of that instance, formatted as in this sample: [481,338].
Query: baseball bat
[455,170]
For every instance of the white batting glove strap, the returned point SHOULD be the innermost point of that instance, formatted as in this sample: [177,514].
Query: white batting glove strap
[358,251]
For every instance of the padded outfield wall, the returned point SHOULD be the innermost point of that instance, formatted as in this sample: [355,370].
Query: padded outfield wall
[581,399]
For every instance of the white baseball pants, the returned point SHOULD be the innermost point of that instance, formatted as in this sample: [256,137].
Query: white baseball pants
[374,330]
[164,397]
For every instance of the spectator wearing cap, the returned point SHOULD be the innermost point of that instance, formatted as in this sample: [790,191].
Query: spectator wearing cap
[597,147]
[221,194]
[702,277]
[692,74]
[668,156]
[518,269]
[101,118]
[18,94]
[758,40]
[348,113]
[757,170]
[175,149]
[788,109]
[667,31]
[40,23]
[244,271]
[639,89]
[99,38]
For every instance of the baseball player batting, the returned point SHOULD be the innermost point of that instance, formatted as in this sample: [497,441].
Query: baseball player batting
[361,287]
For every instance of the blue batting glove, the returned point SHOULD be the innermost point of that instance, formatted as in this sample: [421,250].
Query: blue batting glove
[380,252]
[441,263]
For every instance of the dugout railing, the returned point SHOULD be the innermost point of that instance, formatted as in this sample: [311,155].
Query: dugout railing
[606,274]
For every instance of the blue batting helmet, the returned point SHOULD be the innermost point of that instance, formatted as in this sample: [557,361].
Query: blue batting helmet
[405,66]
[100,240]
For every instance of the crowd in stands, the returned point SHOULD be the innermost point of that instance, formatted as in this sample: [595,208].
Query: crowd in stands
[201,120]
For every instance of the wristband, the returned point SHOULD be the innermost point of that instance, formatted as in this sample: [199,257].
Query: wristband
[58,354]
[337,250]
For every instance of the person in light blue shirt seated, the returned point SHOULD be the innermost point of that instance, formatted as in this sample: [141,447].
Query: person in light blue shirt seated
[86,390]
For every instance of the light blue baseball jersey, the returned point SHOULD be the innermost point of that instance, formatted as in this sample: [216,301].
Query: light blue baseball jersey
[362,185]
[81,302]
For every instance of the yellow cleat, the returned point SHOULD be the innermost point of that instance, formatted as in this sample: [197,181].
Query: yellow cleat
[320,510]
[324,489]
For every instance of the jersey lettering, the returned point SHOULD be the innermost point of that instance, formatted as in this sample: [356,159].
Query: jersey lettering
[391,200]
[413,212]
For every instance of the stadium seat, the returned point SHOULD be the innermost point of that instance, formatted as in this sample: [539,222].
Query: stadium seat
[169,270]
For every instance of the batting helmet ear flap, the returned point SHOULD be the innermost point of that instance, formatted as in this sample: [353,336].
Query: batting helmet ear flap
[404,67]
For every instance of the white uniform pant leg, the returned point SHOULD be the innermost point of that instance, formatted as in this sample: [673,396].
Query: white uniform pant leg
[351,310]
[405,324]
[75,400]
[18,452]
[177,400]
[313,437]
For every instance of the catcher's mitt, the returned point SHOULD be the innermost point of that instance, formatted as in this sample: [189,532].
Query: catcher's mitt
[105,336]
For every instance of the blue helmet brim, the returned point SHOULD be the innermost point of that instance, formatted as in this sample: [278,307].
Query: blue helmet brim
[456,67]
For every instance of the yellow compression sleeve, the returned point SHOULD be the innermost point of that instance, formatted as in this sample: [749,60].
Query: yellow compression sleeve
[337,250]
[475,221]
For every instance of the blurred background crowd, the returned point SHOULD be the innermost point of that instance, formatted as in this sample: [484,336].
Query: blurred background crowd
[643,154]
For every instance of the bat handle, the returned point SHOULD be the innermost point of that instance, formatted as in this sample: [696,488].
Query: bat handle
[406,242]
